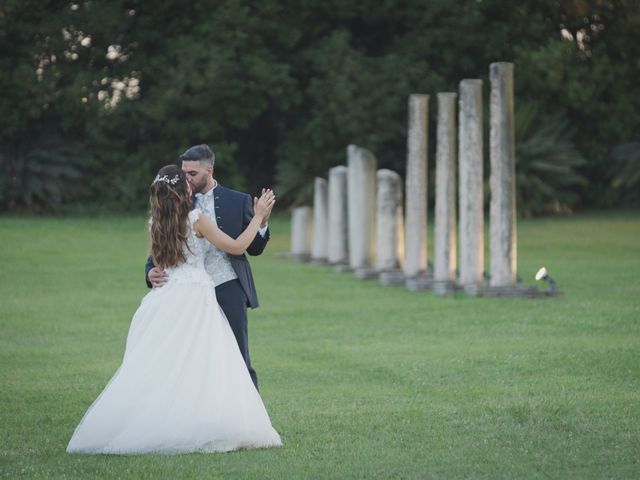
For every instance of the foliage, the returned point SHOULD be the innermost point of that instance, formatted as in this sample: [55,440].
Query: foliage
[589,76]
[625,160]
[280,88]
[46,175]
[546,163]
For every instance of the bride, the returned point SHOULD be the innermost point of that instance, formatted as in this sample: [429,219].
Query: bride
[183,385]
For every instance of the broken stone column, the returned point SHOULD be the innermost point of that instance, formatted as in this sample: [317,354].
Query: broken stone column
[301,234]
[338,226]
[445,253]
[361,198]
[471,187]
[415,252]
[319,241]
[502,213]
[389,227]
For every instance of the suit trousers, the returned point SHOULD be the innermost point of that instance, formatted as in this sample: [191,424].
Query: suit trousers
[233,301]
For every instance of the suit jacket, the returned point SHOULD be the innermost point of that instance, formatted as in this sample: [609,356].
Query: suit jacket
[234,211]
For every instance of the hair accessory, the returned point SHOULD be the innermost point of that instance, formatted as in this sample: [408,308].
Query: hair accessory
[166,179]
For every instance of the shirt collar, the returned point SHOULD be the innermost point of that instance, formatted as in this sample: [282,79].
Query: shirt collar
[209,193]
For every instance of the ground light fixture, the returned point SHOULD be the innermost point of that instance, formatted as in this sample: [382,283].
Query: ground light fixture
[543,275]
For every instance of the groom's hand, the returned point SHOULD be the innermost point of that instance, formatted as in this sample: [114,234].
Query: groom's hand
[157,277]
[265,220]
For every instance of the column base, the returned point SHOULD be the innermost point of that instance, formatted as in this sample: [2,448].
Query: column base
[318,261]
[365,273]
[341,267]
[445,287]
[391,278]
[300,257]
[419,283]
[518,291]
[473,289]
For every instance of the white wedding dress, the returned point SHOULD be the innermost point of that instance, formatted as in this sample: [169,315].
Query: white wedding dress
[183,385]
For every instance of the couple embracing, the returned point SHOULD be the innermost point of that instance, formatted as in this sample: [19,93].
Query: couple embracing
[186,383]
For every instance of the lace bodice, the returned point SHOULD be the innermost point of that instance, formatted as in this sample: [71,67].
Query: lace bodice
[192,270]
[198,246]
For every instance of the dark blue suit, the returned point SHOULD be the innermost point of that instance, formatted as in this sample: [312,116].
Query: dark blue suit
[234,211]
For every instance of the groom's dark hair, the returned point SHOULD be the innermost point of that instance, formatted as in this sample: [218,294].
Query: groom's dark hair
[200,153]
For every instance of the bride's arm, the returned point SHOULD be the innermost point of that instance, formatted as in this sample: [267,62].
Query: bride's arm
[209,230]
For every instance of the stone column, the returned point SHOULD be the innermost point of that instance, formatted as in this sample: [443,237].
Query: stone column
[445,253]
[320,237]
[502,213]
[471,187]
[301,234]
[415,252]
[389,227]
[338,228]
[361,196]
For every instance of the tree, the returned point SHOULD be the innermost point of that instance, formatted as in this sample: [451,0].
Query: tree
[114,90]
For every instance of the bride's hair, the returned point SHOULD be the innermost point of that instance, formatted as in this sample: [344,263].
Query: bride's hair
[169,205]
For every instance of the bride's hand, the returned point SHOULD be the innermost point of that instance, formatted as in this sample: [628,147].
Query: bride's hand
[262,206]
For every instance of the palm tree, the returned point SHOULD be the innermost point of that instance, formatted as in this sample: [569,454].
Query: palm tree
[625,159]
[39,177]
[546,163]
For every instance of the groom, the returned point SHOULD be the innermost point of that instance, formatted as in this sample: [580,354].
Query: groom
[231,274]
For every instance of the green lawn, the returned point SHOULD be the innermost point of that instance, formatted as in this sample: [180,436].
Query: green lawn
[361,381]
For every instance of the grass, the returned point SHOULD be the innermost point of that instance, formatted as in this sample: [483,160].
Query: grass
[361,381]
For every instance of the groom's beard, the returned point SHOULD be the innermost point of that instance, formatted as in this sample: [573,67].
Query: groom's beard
[200,186]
